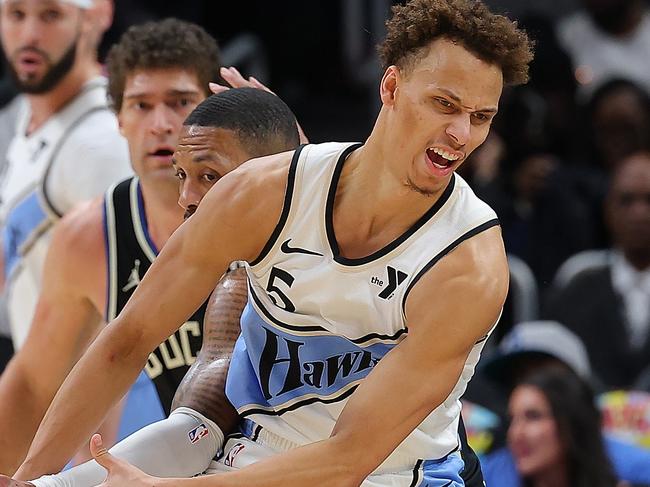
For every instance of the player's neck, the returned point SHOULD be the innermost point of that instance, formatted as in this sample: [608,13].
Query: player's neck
[162,211]
[44,105]
[389,194]
[372,211]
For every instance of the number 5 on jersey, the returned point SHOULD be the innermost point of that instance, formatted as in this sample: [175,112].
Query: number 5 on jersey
[273,290]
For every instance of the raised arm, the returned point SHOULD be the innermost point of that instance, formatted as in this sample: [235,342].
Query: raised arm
[229,225]
[452,307]
[65,321]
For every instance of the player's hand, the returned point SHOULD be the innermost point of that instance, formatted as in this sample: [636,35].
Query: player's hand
[236,80]
[7,482]
[120,472]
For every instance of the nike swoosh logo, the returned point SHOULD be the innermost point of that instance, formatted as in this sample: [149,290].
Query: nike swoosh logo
[296,250]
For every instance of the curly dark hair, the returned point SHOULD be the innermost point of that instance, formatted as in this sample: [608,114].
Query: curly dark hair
[493,38]
[169,43]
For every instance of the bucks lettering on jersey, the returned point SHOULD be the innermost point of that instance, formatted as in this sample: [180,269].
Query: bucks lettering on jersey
[317,323]
[130,254]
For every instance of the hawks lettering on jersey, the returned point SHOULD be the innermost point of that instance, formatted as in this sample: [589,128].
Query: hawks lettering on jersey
[317,323]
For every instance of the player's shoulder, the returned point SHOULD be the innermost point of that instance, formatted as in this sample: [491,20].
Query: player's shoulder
[99,133]
[477,269]
[247,204]
[258,183]
[261,171]
[81,230]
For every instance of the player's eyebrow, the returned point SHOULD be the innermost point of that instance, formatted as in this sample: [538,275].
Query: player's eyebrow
[457,99]
[182,93]
[174,93]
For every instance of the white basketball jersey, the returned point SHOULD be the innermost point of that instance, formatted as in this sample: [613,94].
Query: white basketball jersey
[75,155]
[317,323]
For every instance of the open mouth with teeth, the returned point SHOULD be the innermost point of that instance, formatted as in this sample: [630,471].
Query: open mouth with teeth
[441,158]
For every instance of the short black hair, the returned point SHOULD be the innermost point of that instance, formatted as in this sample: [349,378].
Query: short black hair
[169,43]
[264,123]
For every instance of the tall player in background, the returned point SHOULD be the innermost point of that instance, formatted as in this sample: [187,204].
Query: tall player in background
[223,132]
[158,73]
[67,146]
[357,341]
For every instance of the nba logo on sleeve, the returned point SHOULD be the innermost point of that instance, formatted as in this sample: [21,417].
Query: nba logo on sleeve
[234,451]
[197,433]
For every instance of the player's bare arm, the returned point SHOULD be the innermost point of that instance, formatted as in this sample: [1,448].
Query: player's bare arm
[203,387]
[409,382]
[66,320]
[233,222]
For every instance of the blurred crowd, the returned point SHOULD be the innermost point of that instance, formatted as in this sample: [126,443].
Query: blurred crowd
[567,169]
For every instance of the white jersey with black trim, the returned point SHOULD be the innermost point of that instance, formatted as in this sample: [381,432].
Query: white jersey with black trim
[75,155]
[317,323]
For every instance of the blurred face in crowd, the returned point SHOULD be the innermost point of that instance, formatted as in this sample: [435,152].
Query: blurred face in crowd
[610,15]
[40,39]
[621,126]
[203,156]
[438,111]
[628,209]
[533,435]
[155,104]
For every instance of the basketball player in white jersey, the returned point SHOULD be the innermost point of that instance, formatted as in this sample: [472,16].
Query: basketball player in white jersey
[375,277]
[153,88]
[67,146]
[221,133]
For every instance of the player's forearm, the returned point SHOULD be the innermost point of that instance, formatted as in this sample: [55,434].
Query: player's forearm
[325,463]
[203,390]
[21,411]
[99,379]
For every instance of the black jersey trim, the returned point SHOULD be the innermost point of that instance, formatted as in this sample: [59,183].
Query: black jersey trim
[419,466]
[299,404]
[291,180]
[139,221]
[329,218]
[474,231]
[307,328]
[112,246]
[107,251]
[482,339]
[416,473]
[279,323]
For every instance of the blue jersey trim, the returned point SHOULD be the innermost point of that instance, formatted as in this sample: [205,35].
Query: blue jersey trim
[143,220]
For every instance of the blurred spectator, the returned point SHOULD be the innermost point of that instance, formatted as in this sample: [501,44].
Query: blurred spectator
[525,170]
[608,39]
[608,306]
[528,349]
[67,146]
[543,216]
[554,433]
[618,117]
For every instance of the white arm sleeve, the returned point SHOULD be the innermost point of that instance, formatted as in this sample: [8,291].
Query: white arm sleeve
[182,445]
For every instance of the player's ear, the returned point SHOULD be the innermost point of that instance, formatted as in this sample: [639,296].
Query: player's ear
[388,85]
